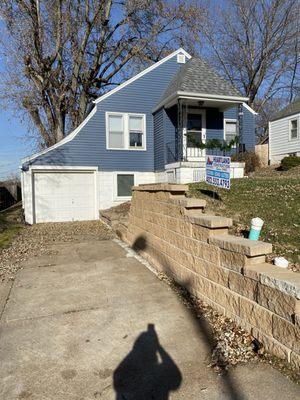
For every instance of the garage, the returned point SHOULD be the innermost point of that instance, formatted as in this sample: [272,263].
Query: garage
[60,196]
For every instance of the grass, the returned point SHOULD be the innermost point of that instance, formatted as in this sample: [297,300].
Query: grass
[10,224]
[271,195]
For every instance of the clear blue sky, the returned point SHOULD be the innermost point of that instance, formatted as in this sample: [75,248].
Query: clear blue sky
[13,145]
[13,142]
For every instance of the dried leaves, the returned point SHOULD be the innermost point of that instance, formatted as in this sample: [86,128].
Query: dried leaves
[34,240]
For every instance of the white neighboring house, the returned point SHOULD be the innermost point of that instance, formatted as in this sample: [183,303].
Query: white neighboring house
[284,133]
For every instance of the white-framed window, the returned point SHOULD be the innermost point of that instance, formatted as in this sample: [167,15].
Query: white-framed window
[230,130]
[181,58]
[294,128]
[125,131]
[123,184]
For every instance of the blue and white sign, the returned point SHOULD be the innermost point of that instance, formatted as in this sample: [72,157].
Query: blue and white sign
[217,172]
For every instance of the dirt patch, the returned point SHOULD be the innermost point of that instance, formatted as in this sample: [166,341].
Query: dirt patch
[34,241]
[115,215]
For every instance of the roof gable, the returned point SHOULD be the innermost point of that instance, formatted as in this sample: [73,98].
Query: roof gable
[197,76]
[291,109]
[142,73]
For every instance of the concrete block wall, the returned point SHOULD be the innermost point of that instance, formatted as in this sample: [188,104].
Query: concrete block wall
[230,273]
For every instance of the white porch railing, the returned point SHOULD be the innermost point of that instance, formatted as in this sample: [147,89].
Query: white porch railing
[193,153]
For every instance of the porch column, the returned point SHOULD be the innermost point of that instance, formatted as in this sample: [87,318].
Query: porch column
[179,136]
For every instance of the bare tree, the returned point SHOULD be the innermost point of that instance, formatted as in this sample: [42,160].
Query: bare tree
[268,109]
[61,54]
[255,43]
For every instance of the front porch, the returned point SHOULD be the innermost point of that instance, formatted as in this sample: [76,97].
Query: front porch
[196,123]
[194,171]
[198,114]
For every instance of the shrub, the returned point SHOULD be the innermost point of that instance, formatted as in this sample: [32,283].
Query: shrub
[289,162]
[251,160]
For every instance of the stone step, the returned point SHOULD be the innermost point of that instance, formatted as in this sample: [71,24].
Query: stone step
[282,279]
[189,203]
[193,212]
[241,245]
[162,187]
[194,203]
[210,221]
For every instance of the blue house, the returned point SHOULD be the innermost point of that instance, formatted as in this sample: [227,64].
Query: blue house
[140,132]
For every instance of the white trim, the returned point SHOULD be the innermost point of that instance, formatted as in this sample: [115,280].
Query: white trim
[290,126]
[201,112]
[250,109]
[134,78]
[125,117]
[198,96]
[61,167]
[115,184]
[212,96]
[66,139]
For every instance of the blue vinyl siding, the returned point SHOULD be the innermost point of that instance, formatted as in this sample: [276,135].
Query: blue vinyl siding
[88,148]
[248,125]
[232,113]
[215,127]
[165,122]
[249,129]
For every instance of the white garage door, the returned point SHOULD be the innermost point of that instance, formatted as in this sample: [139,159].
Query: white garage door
[64,196]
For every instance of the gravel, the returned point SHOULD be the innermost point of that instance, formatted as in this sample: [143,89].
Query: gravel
[34,241]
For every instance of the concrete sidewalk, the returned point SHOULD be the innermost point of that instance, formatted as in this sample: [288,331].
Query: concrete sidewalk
[93,323]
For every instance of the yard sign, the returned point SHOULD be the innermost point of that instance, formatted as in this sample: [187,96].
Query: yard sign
[217,171]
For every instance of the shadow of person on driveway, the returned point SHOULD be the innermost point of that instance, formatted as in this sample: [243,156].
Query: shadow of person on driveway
[203,326]
[147,372]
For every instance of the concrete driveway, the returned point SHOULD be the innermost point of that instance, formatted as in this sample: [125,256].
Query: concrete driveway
[92,322]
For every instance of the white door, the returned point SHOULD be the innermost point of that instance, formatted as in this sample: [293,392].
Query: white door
[195,130]
[64,196]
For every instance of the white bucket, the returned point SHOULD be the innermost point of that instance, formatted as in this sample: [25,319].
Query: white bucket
[256,223]
[281,262]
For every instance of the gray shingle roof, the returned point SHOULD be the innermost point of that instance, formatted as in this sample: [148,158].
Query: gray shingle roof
[292,108]
[197,76]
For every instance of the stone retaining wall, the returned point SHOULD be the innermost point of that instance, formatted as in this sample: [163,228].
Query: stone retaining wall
[227,272]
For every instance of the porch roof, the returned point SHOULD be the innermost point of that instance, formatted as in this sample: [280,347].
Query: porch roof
[197,80]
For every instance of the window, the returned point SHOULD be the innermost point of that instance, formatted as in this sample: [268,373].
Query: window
[230,130]
[136,127]
[170,176]
[125,131]
[116,131]
[293,129]
[194,129]
[124,184]
[181,58]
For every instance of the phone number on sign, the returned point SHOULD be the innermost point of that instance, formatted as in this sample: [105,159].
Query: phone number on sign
[218,182]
